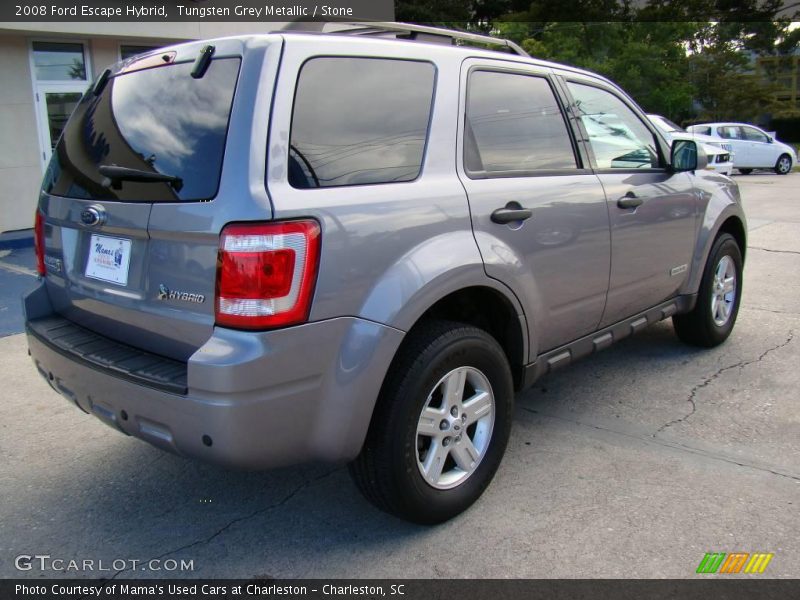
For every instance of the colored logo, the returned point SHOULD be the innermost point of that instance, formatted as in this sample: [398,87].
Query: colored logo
[735,562]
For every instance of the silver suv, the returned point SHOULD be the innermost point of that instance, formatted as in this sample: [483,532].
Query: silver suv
[269,249]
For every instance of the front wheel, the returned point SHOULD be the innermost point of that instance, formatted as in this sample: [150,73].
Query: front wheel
[441,424]
[784,165]
[713,317]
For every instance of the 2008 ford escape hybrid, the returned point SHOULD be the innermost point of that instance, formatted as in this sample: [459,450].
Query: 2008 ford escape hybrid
[270,249]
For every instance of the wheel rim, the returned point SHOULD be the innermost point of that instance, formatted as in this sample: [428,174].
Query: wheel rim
[455,427]
[784,164]
[723,294]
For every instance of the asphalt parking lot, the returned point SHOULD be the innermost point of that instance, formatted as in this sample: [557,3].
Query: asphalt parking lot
[632,463]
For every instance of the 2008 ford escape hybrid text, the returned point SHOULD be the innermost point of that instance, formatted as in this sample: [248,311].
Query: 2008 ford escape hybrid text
[264,250]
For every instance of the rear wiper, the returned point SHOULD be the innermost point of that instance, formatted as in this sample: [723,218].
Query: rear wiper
[114,176]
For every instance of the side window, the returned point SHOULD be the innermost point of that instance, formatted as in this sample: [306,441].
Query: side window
[514,123]
[618,137]
[730,133]
[754,135]
[359,121]
[702,130]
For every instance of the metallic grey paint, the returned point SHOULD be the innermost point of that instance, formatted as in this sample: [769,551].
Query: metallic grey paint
[389,252]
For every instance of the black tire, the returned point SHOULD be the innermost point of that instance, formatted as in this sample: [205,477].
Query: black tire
[745,171]
[698,327]
[386,471]
[780,165]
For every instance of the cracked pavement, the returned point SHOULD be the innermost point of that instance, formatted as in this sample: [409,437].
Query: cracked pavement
[631,463]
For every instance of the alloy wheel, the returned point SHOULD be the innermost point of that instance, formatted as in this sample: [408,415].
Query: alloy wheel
[723,291]
[455,428]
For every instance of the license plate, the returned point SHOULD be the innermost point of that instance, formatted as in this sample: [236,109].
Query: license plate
[109,258]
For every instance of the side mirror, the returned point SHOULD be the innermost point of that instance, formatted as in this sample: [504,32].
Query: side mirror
[686,155]
[770,139]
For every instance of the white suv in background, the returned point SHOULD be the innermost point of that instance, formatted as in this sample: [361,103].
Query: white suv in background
[753,148]
[720,153]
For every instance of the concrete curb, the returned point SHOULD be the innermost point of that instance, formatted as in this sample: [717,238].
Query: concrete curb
[14,240]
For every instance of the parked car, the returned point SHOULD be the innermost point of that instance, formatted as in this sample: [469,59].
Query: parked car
[269,249]
[753,148]
[720,157]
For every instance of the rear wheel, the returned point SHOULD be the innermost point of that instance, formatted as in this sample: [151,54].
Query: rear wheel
[441,424]
[745,171]
[784,165]
[713,317]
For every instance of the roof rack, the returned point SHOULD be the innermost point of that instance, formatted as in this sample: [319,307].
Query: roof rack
[424,33]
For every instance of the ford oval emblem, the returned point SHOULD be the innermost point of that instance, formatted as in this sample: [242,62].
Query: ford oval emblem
[93,216]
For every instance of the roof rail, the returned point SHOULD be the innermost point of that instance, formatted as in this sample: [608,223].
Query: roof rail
[429,34]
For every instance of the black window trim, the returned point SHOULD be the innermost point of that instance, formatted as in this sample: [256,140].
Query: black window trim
[579,169]
[424,156]
[661,144]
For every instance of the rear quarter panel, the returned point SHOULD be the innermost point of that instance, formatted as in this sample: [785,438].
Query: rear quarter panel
[389,251]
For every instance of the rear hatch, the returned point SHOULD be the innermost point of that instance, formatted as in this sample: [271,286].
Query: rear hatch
[126,254]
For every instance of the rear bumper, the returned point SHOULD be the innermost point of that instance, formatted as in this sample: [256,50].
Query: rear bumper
[253,399]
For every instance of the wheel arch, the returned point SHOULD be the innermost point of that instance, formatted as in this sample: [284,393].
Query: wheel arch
[491,310]
[735,227]
[730,220]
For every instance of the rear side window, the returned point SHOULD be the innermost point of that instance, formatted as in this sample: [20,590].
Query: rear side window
[514,123]
[160,121]
[359,121]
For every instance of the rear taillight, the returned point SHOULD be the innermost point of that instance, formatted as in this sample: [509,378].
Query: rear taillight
[38,242]
[266,274]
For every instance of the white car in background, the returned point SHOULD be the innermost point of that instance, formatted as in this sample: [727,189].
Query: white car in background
[753,148]
[720,152]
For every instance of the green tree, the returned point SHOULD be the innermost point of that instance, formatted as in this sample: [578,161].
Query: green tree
[648,60]
[725,87]
[685,59]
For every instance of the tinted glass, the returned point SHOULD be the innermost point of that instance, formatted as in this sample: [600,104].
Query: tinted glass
[359,121]
[702,130]
[618,137]
[158,120]
[126,51]
[514,123]
[58,61]
[754,135]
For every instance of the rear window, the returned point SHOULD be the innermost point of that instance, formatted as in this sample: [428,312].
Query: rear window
[359,121]
[157,121]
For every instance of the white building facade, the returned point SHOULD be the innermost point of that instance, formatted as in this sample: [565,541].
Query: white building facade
[44,70]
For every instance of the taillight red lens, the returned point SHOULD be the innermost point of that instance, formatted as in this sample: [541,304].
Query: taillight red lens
[266,274]
[38,242]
